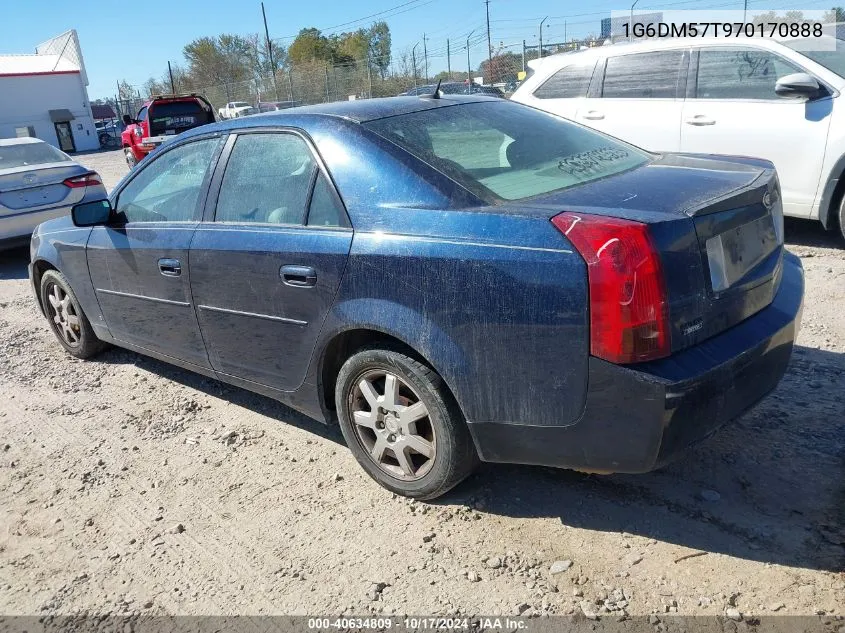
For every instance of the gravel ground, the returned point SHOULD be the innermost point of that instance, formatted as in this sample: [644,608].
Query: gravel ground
[128,485]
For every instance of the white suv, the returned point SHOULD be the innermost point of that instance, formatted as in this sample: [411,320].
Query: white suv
[772,100]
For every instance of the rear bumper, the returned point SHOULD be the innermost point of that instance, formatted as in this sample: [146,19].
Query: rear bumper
[637,418]
[17,228]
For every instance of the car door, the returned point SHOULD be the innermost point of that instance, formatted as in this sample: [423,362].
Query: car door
[139,262]
[639,99]
[266,265]
[565,90]
[732,108]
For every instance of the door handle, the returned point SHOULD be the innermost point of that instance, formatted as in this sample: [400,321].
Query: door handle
[700,119]
[299,276]
[170,267]
[593,115]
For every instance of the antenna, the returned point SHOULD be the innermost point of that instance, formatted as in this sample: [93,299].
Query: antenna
[436,94]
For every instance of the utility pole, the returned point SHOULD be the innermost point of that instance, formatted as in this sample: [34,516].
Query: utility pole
[448,59]
[170,72]
[744,10]
[523,55]
[469,67]
[489,46]
[425,56]
[631,23]
[414,62]
[541,35]
[270,52]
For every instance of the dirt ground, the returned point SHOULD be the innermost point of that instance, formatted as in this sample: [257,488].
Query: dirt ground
[128,485]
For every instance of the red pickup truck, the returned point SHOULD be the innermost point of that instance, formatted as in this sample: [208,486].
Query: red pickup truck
[160,119]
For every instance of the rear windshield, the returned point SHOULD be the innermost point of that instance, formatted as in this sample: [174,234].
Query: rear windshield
[831,59]
[29,154]
[177,116]
[507,151]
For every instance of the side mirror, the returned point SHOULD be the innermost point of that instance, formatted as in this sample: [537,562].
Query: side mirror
[797,85]
[91,213]
[127,119]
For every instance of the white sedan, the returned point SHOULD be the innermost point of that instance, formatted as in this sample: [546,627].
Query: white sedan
[39,183]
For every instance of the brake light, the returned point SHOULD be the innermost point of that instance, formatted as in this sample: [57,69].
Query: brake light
[629,312]
[85,180]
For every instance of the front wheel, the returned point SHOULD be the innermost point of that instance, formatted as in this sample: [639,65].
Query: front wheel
[842,217]
[66,318]
[402,424]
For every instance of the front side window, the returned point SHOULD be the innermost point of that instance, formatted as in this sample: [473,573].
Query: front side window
[740,73]
[567,83]
[505,151]
[267,180]
[142,113]
[168,188]
[643,75]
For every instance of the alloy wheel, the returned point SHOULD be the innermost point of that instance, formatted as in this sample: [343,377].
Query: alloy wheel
[64,315]
[393,425]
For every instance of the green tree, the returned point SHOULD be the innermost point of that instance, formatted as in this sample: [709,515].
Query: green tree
[378,36]
[310,45]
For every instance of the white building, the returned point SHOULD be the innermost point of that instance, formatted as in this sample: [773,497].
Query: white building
[45,95]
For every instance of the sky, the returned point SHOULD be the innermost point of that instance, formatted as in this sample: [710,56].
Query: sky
[134,41]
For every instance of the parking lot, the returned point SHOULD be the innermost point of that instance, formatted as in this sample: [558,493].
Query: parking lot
[128,485]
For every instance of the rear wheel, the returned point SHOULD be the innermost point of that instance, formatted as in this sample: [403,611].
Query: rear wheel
[66,318]
[402,424]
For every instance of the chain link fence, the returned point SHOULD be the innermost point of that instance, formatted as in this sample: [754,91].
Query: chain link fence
[321,82]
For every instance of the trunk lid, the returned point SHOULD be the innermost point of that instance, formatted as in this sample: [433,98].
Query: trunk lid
[718,224]
[28,188]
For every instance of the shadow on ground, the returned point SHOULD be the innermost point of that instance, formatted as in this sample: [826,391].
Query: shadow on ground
[13,263]
[779,471]
[811,233]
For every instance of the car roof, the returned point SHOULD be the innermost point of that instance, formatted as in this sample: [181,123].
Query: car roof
[645,46]
[25,140]
[359,111]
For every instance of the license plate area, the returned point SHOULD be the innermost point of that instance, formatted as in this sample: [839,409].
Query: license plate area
[736,251]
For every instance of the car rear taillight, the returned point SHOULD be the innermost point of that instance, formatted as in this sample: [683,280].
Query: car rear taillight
[629,313]
[85,180]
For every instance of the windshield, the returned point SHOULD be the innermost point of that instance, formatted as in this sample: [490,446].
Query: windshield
[833,60]
[30,154]
[507,151]
[240,104]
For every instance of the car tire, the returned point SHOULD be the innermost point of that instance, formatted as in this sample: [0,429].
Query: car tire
[130,158]
[841,217]
[66,318]
[404,427]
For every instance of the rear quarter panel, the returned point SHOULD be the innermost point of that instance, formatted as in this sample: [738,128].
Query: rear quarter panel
[499,311]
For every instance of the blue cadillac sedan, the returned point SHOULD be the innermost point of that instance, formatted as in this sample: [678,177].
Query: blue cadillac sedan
[451,280]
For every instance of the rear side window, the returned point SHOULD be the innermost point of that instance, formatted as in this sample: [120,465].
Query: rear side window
[567,83]
[324,209]
[740,73]
[643,75]
[267,180]
[505,151]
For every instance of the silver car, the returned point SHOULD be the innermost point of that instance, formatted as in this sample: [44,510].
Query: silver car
[39,183]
